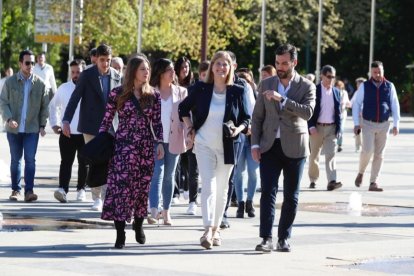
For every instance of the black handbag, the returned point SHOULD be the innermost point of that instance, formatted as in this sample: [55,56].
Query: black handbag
[228,128]
[97,154]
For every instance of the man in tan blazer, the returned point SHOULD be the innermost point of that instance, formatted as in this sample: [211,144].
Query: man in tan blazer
[280,141]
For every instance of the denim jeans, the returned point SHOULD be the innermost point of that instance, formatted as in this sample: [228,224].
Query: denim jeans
[23,143]
[162,179]
[246,160]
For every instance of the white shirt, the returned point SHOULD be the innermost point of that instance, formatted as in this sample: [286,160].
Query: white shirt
[211,132]
[166,111]
[47,74]
[358,101]
[283,91]
[327,112]
[250,100]
[58,105]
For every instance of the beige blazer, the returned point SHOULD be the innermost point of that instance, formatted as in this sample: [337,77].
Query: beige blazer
[292,118]
[177,130]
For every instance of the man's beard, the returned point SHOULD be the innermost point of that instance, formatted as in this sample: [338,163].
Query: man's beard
[75,80]
[285,74]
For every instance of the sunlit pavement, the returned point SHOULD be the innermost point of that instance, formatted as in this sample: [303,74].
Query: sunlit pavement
[70,239]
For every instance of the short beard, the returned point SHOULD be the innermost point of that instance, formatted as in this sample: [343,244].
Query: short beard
[285,75]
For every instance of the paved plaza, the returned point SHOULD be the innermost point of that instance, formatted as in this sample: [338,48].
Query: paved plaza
[50,238]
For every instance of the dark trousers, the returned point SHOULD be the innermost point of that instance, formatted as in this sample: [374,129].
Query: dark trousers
[192,176]
[68,148]
[186,176]
[237,154]
[271,165]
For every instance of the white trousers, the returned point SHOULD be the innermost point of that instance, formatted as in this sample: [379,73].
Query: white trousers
[214,176]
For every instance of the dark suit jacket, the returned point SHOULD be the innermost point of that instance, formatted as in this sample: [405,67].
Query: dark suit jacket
[337,106]
[92,107]
[198,103]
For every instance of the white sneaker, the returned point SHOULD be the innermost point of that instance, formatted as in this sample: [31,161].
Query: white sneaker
[186,195]
[175,200]
[192,209]
[81,195]
[60,195]
[97,205]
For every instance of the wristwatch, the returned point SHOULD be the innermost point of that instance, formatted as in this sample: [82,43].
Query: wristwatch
[283,99]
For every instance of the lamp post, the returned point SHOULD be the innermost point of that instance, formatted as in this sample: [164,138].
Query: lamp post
[371,39]
[263,34]
[140,14]
[204,31]
[318,50]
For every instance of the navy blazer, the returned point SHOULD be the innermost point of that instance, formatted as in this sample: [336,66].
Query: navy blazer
[198,103]
[337,107]
[89,92]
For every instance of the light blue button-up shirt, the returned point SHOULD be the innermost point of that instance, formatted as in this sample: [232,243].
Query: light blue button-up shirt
[27,87]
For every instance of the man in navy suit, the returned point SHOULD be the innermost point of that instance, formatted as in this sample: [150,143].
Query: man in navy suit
[93,87]
[324,128]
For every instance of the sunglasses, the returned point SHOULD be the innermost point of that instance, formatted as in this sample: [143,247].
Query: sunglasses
[330,76]
[27,63]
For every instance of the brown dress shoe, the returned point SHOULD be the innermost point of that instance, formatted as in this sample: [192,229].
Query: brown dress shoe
[15,196]
[358,180]
[373,187]
[30,196]
[333,185]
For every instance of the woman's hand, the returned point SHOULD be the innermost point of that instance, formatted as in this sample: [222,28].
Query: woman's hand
[160,151]
[237,130]
[189,139]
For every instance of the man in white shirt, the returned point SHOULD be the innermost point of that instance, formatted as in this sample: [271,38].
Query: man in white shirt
[68,146]
[46,73]
[324,128]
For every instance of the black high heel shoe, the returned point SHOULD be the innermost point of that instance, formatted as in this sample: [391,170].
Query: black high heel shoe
[120,234]
[139,231]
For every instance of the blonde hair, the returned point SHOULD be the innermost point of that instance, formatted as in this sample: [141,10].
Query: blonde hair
[340,84]
[226,56]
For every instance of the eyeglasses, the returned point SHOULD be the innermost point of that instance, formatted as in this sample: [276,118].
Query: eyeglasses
[27,63]
[330,77]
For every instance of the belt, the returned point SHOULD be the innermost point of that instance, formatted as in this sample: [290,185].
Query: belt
[323,124]
[376,121]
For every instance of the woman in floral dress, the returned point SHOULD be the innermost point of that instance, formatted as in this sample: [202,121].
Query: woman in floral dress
[132,165]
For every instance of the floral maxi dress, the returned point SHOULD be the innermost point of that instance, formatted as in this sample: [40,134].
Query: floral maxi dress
[132,165]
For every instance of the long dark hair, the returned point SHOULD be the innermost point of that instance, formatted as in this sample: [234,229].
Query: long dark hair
[188,80]
[158,68]
[147,92]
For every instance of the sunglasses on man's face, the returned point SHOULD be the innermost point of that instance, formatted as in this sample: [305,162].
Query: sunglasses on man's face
[27,63]
[330,77]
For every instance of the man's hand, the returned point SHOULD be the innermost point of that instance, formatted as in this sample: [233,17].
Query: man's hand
[236,130]
[256,154]
[357,130]
[313,131]
[271,94]
[12,124]
[42,131]
[66,129]
[395,131]
[57,129]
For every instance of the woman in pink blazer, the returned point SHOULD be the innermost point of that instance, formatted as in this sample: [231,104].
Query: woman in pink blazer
[162,78]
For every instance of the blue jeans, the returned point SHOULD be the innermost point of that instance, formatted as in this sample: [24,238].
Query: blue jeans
[246,159]
[19,143]
[162,179]
[272,163]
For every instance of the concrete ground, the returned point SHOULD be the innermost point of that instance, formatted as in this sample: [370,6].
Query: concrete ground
[326,240]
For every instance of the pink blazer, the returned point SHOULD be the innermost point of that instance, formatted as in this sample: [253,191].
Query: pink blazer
[178,129]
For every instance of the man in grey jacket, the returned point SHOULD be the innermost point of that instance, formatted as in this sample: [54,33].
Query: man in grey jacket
[280,142]
[24,106]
